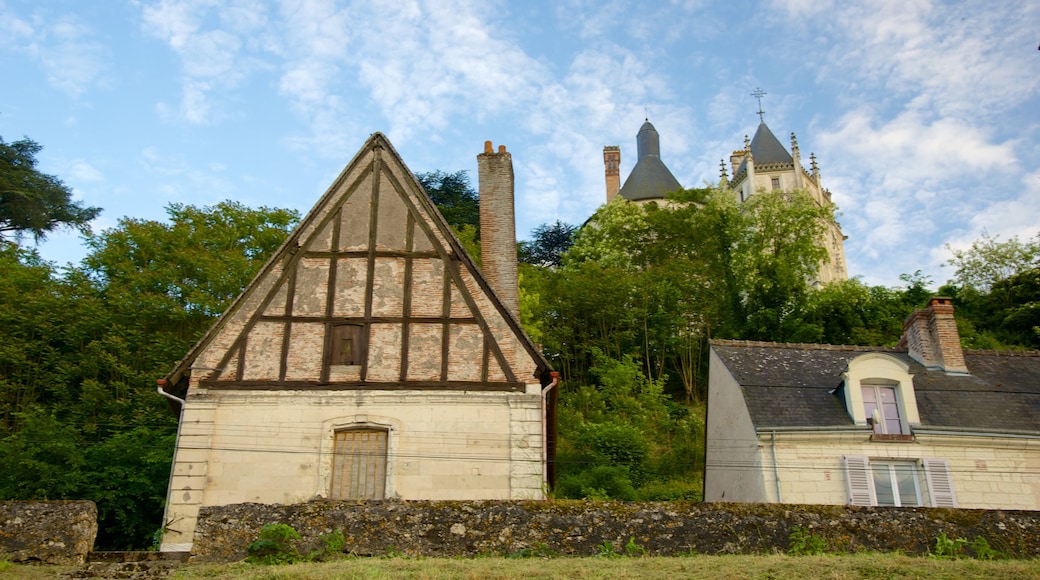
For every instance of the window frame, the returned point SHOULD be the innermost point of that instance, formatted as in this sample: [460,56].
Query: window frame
[931,475]
[882,427]
[368,477]
[338,333]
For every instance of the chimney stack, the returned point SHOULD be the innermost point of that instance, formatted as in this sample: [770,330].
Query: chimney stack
[930,335]
[498,225]
[612,163]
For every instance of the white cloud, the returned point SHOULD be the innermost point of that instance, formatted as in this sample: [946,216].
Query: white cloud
[217,46]
[63,46]
[81,171]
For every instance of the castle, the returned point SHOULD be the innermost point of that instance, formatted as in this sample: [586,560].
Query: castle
[763,164]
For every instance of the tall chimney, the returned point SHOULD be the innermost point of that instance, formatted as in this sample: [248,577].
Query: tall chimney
[611,163]
[930,335]
[498,225]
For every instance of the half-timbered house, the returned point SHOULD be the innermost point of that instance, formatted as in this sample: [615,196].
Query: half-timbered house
[370,358]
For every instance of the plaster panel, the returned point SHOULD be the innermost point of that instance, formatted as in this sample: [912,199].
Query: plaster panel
[349,300]
[263,351]
[388,287]
[465,352]
[384,352]
[392,218]
[312,280]
[427,287]
[354,228]
[424,352]
[306,345]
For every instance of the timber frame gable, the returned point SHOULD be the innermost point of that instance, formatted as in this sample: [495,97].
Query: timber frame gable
[372,291]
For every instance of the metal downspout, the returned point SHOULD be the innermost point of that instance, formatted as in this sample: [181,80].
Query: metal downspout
[545,435]
[776,471]
[159,389]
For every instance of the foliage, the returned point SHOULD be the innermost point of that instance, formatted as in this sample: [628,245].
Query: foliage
[983,551]
[946,547]
[634,549]
[276,544]
[988,261]
[805,543]
[606,550]
[34,202]
[548,244]
[454,197]
[538,550]
[82,347]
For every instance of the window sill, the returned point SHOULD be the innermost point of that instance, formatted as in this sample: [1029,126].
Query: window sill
[885,438]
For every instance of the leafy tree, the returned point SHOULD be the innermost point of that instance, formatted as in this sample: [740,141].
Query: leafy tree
[81,350]
[34,202]
[989,261]
[549,243]
[454,197]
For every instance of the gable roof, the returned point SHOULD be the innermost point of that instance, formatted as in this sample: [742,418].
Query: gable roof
[370,234]
[793,385]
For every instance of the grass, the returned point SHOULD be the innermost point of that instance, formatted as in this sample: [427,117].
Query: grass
[869,565]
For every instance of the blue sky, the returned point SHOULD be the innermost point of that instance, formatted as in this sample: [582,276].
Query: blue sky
[923,115]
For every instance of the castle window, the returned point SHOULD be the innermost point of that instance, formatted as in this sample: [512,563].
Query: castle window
[347,344]
[776,183]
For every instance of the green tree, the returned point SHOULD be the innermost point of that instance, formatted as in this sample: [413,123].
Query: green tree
[454,197]
[34,202]
[82,349]
[989,261]
[548,244]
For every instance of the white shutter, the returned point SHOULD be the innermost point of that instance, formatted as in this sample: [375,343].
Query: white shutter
[857,476]
[940,484]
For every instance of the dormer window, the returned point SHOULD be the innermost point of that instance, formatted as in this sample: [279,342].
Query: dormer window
[881,407]
[879,394]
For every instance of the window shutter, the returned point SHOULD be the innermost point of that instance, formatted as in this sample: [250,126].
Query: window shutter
[940,484]
[857,476]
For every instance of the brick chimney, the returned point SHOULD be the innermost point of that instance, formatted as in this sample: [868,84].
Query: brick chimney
[611,164]
[930,335]
[498,225]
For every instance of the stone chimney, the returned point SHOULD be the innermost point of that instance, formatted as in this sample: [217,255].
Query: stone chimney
[612,163]
[930,335]
[498,225]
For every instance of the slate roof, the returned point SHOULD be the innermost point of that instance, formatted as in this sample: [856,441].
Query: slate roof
[766,149]
[650,178]
[793,385]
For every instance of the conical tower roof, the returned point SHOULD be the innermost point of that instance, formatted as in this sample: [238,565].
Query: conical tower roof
[650,178]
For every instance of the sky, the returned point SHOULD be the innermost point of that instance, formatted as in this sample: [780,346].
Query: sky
[924,116]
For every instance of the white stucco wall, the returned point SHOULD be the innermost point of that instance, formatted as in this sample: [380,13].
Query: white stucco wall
[987,472]
[733,458]
[276,447]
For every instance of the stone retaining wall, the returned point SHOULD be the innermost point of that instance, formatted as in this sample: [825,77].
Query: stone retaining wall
[576,528]
[47,532]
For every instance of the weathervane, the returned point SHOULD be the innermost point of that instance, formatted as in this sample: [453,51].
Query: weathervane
[758,94]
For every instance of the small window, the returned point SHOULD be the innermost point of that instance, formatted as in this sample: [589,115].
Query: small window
[348,344]
[776,183]
[882,409]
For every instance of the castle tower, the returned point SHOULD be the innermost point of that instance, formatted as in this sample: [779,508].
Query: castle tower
[612,164]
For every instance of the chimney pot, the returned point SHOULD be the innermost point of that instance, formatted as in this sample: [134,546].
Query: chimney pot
[488,148]
[501,149]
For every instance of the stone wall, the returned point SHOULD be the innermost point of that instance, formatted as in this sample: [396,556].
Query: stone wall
[451,529]
[47,532]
